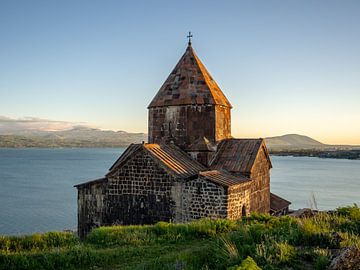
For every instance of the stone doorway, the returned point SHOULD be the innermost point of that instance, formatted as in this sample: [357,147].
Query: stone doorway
[243,211]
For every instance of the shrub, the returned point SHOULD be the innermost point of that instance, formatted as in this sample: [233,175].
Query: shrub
[257,232]
[271,252]
[352,212]
[258,218]
[322,262]
[247,264]
[318,231]
[349,239]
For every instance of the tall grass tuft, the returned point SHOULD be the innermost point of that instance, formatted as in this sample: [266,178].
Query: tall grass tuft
[275,253]
[37,242]
[247,264]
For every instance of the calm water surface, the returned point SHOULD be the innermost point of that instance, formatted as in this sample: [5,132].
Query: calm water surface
[36,186]
[37,193]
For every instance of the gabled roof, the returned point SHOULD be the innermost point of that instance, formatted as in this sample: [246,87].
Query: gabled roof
[224,178]
[127,154]
[238,155]
[189,83]
[92,182]
[277,203]
[174,160]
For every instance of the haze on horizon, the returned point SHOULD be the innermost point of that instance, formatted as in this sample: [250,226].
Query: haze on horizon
[286,67]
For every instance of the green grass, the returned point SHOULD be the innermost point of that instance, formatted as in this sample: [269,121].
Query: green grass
[256,242]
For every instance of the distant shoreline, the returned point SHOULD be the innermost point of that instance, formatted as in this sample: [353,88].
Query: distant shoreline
[333,154]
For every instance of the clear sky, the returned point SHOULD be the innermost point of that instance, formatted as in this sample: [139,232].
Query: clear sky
[286,66]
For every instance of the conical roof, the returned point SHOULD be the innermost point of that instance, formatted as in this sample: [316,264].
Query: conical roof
[189,83]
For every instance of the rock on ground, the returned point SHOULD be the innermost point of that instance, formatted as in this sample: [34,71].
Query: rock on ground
[348,258]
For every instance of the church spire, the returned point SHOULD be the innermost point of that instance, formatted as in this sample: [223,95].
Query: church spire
[188,84]
[190,110]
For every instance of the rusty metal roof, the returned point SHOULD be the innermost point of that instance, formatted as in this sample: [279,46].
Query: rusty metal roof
[238,155]
[277,203]
[89,183]
[175,160]
[223,178]
[189,83]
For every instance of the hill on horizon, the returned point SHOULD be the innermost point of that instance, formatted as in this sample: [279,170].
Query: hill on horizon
[79,136]
[290,142]
[87,137]
[293,141]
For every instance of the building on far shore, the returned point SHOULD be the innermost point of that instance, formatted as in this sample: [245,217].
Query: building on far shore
[191,166]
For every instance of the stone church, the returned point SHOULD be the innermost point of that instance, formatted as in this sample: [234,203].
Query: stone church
[190,168]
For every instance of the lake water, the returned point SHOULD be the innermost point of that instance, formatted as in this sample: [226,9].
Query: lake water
[37,193]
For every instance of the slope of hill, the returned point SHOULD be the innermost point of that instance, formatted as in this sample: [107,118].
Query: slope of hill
[76,137]
[293,141]
[82,136]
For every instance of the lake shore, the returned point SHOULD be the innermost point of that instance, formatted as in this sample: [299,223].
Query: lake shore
[335,154]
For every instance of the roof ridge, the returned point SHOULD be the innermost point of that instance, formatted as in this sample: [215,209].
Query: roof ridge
[165,157]
[129,151]
[224,177]
[207,76]
[174,160]
[239,155]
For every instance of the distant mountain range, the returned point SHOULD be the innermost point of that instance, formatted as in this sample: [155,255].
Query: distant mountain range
[82,136]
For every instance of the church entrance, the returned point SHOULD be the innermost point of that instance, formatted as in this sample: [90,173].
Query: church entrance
[243,211]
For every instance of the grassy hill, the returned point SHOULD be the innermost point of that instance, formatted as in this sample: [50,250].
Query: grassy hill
[293,141]
[76,137]
[255,242]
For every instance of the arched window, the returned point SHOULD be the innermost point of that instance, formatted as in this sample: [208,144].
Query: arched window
[243,211]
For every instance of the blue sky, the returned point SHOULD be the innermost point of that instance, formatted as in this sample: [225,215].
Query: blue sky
[286,66]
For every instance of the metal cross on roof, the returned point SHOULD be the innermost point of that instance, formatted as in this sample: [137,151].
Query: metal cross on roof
[189,37]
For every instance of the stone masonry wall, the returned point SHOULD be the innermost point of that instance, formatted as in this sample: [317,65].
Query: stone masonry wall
[202,198]
[139,193]
[188,125]
[183,125]
[239,200]
[260,190]
[223,123]
[90,207]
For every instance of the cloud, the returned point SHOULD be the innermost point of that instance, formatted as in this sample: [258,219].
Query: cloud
[27,124]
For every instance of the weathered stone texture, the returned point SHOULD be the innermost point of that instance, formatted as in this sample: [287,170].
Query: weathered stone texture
[238,200]
[260,188]
[186,126]
[194,128]
[139,193]
[222,123]
[201,198]
[90,207]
